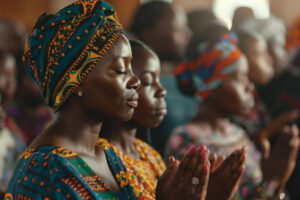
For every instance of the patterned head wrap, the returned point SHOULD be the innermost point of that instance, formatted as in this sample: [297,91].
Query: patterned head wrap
[293,35]
[63,48]
[212,65]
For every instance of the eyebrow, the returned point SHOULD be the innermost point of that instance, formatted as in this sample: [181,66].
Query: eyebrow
[122,57]
[148,72]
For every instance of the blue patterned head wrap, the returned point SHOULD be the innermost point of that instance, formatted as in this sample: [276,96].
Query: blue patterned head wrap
[63,48]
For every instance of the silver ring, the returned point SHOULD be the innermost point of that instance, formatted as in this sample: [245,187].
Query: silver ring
[195,180]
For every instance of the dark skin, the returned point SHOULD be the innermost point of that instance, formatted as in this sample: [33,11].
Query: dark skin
[108,92]
[278,52]
[150,113]
[8,82]
[169,37]
[152,106]
[261,71]
[233,96]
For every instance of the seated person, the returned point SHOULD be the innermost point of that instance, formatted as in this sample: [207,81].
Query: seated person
[219,77]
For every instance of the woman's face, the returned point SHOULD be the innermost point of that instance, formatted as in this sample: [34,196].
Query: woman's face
[276,46]
[261,69]
[171,35]
[235,94]
[110,89]
[8,82]
[152,105]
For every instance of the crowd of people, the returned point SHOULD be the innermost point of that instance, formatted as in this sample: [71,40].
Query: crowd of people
[177,107]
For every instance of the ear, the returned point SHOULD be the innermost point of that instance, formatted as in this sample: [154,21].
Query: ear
[79,91]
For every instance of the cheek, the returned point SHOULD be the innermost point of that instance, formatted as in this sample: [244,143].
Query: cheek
[230,100]
[107,97]
[145,105]
[144,113]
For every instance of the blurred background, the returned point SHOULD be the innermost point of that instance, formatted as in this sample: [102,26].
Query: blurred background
[27,11]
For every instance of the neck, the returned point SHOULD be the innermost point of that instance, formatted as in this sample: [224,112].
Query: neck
[209,113]
[123,137]
[74,129]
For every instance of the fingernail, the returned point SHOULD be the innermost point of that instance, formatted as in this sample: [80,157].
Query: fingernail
[192,149]
[201,148]
[171,160]
[205,168]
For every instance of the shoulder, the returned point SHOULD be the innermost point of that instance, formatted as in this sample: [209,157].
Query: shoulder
[39,173]
[149,154]
[103,144]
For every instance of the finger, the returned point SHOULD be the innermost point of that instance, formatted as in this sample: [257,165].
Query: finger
[204,180]
[204,160]
[233,157]
[235,180]
[219,162]
[291,116]
[265,147]
[234,167]
[198,160]
[213,161]
[294,143]
[171,166]
[171,161]
[295,130]
[183,164]
[233,162]
[288,117]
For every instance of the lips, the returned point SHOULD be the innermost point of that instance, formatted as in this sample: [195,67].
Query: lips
[161,111]
[133,101]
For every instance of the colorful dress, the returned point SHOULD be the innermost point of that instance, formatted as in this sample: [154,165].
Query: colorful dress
[143,173]
[57,173]
[225,143]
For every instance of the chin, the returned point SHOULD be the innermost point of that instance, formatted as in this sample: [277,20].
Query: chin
[126,117]
[156,122]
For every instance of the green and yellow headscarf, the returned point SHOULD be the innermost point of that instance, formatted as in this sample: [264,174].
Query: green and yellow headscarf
[63,48]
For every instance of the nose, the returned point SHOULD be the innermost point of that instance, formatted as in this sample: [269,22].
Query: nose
[134,82]
[161,91]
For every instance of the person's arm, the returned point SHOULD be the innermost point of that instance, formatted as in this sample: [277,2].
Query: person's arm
[279,165]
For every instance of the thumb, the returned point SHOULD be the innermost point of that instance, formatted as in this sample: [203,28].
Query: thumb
[265,147]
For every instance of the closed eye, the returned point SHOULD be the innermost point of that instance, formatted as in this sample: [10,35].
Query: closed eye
[121,72]
[147,84]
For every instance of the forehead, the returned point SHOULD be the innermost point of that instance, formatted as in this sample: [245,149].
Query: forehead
[145,60]
[121,48]
[173,14]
